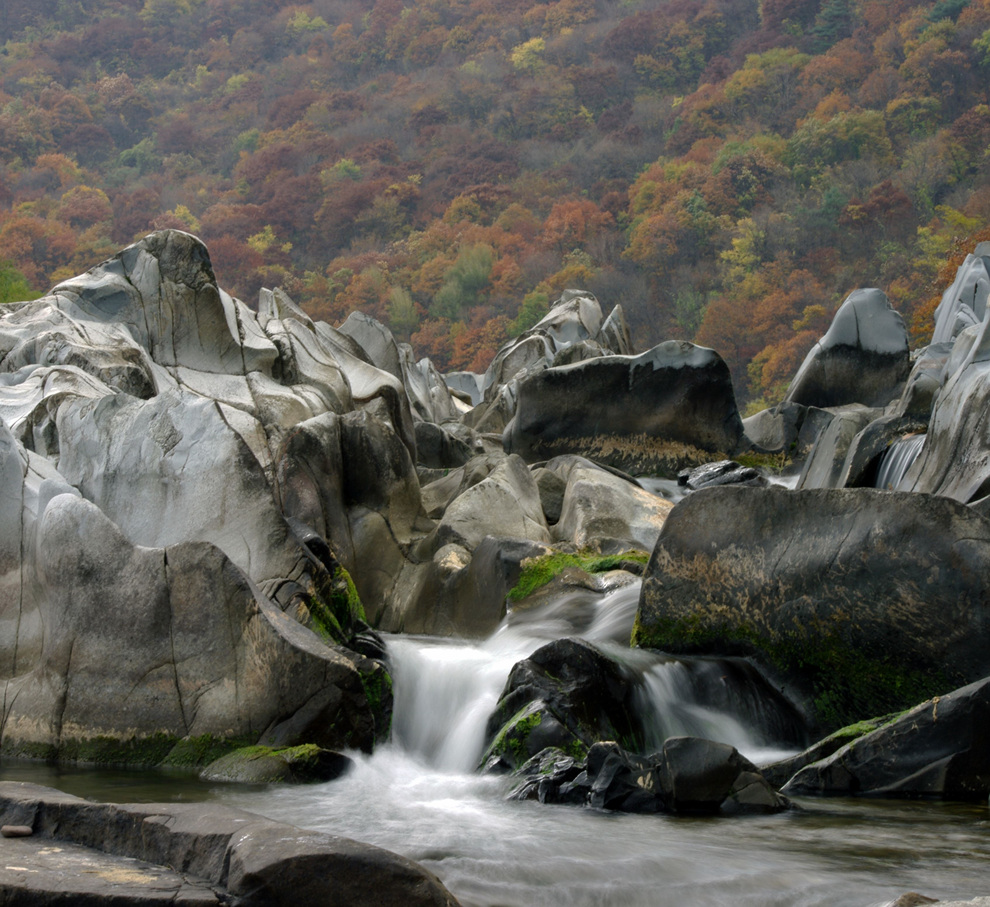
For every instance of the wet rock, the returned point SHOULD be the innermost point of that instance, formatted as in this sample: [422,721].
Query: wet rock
[623,781]
[702,776]
[859,602]
[648,414]
[779,773]
[863,357]
[567,694]
[266,765]
[724,472]
[552,776]
[110,853]
[690,776]
[940,748]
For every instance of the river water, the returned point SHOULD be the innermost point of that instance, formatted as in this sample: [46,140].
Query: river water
[421,797]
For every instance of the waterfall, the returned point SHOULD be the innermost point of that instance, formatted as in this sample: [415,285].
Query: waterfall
[445,690]
[896,461]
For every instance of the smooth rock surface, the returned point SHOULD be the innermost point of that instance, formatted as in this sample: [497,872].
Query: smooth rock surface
[860,602]
[119,853]
[654,413]
[863,357]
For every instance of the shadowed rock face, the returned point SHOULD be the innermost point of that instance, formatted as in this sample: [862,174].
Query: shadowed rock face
[940,748]
[861,602]
[654,413]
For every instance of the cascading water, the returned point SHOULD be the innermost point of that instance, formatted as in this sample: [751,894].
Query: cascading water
[445,690]
[897,460]
[421,797]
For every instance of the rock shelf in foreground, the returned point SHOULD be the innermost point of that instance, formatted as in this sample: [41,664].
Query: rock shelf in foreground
[84,853]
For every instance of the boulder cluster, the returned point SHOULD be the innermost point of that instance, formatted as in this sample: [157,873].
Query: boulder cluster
[208,510]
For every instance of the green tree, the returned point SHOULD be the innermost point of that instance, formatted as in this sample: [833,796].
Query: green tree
[13,285]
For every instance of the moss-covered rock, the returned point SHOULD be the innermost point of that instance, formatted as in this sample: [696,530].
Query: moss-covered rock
[859,602]
[568,695]
[266,765]
[539,571]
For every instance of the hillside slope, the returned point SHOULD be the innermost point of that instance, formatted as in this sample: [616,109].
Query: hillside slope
[727,170]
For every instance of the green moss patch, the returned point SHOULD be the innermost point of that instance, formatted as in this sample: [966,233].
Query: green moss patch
[336,608]
[538,571]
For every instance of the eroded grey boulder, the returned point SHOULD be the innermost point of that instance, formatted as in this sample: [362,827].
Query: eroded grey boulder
[573,330]
[505,504]
[955,459]
[654,413]
[601,509]
[964,302]
[145,646]
[863,357]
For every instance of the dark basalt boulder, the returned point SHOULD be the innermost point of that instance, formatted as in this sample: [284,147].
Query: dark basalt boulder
[567,694]
[703,776]
[940,748]
[863,357]
[655,413]
[689,776]
[860,602]
[780,772]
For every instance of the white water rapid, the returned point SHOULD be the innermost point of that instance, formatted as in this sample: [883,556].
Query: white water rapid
[445,690]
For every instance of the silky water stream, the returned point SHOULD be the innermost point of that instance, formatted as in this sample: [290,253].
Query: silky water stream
[420,794]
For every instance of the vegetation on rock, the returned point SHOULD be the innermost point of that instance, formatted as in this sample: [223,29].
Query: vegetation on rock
[536,572]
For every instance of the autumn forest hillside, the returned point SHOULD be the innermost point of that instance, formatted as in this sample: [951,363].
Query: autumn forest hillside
[727,170]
